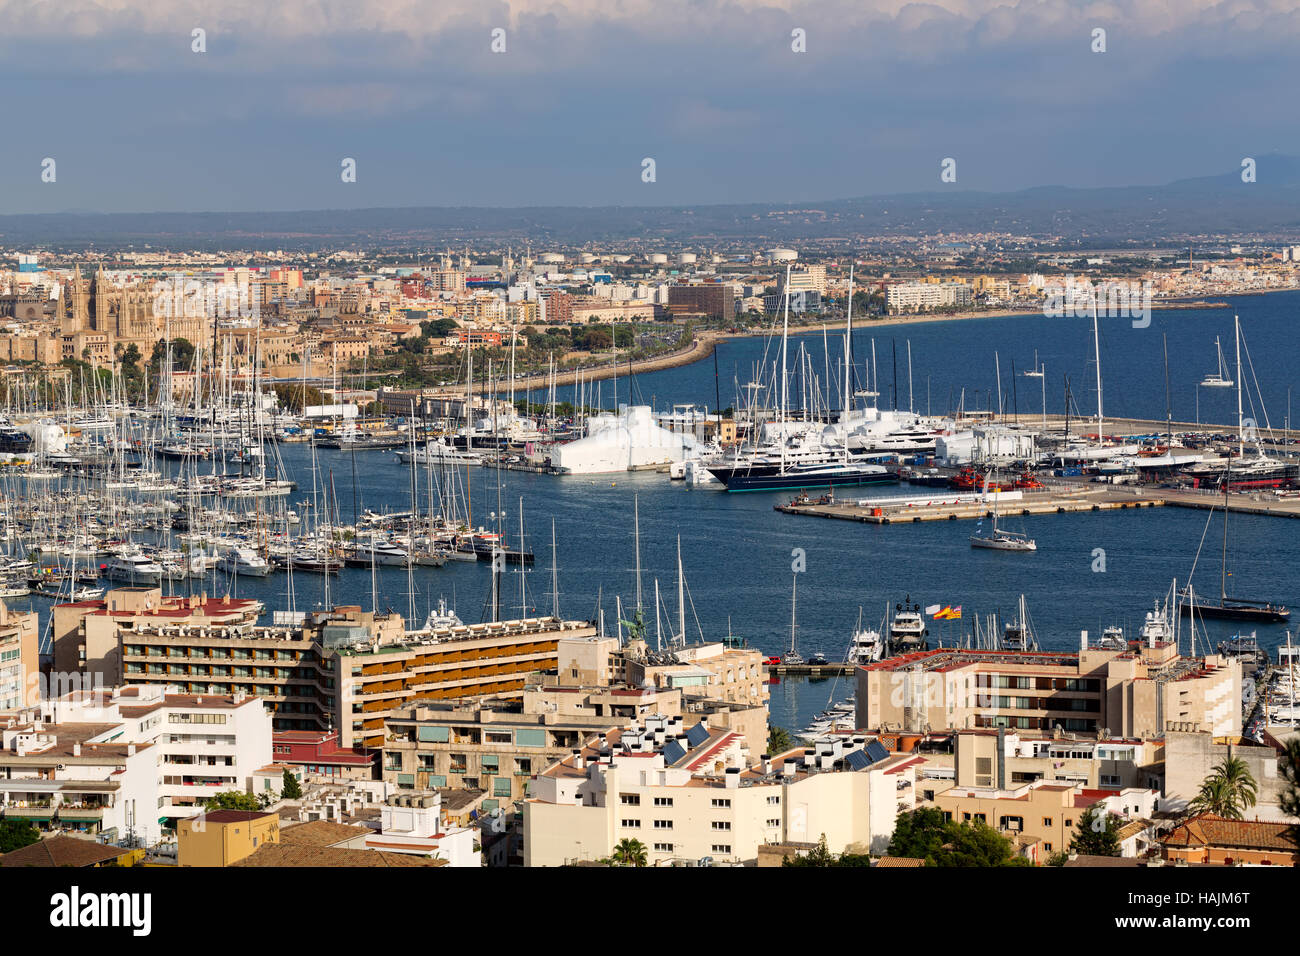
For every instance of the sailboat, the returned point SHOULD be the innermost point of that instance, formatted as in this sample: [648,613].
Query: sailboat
[1220,378]
[793,656]
[1232,608]
[999,539]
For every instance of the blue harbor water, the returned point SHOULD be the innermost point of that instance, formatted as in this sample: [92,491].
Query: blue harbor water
[737,551]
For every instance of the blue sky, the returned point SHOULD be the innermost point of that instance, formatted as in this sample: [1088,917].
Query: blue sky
[587,88]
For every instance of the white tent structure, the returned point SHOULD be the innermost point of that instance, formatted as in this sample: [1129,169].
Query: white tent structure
[627,441]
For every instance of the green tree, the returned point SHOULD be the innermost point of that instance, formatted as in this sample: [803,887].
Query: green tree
[1228,791]
[233,800]
[628,852]
[820,856]
[1097,834]
[289,789]
[925,834]
[16,834]
[779,740]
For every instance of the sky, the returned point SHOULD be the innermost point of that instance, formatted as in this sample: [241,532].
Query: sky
[714,91]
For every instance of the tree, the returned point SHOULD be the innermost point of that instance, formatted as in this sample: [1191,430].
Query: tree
[820,856]
[16,834]
[925,834]
[628,852]
[1097,834]
[779,740]
[1228,791]
[290,789]
[233,800]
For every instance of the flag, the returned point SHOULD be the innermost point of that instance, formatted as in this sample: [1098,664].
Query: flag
[954,614]
[932,609]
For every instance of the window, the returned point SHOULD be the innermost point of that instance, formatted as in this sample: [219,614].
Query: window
[631,824]
[663,801]
[630,799]
[773,823]
[663,824]
[721,824]
[1047,847]
[1047,821]
[1069,823]
[774,801]
[722,848]
[722,804]
[663,848]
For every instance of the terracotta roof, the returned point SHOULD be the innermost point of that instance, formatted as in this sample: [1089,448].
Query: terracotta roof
[1209,830]
[321,833]
[294,854]
[62,851]
[906,861]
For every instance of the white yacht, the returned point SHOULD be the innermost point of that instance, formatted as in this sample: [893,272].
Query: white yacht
[243,559]
[866,646]
[907,633]
[442,618]
[132,566]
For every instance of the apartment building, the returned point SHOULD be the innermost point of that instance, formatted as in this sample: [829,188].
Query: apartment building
[918,296]
[1141,692]
[87,634]
[496,745]
[82,777]
[698,798]
[1002,759]
[717,300]
[201,744]
[376,679]
[19,658]
[1190,757]
[1042,818]
[317,754]
[345,669]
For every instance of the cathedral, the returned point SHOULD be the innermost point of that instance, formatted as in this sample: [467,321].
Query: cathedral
[119,315]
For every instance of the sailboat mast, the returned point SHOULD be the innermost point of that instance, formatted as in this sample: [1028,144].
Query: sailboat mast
[681,595]
[1096,354]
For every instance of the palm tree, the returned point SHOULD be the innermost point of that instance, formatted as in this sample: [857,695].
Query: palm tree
[629,852]
[1228,791]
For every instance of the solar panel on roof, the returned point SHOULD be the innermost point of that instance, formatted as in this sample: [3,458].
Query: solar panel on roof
[857,760]
[673,752]
[697,735]
[876,751]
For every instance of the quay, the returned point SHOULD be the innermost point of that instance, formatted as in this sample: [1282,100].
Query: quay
[947,506]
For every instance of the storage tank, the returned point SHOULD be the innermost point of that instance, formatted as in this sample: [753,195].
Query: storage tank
[687,258]
[552,258]
[782,255]
[658,259]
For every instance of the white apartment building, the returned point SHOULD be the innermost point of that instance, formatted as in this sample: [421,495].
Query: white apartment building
[83,777]
[697,798]
[414,823]
[200,744]
[914,296]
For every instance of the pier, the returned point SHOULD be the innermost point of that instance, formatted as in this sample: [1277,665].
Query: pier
[950,506]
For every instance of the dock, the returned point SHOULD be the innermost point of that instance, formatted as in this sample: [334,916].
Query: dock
[948,506]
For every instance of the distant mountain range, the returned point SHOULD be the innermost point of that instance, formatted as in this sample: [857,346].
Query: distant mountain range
[1211,205]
